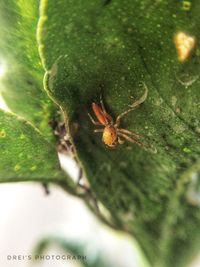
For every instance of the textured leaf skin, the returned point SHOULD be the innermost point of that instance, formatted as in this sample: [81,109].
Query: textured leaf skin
[22,84]
[89,47]
[24,154]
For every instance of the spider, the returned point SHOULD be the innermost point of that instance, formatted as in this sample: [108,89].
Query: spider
[112,134]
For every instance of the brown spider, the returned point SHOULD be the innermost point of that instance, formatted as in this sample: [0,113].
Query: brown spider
[112,134]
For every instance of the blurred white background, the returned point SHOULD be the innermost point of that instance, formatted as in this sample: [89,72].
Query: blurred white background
[27,215]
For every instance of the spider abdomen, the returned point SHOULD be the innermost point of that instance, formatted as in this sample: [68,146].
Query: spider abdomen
[109,135]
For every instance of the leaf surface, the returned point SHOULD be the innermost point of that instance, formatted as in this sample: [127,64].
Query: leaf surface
[27,156]
[116,48]
[21,83]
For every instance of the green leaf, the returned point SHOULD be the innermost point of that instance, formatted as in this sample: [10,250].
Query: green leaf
[27,156]
[117,48]
[77,249]
[21,83]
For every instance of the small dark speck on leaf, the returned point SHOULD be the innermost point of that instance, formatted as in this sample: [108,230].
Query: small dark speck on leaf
[106,2]
[29,82]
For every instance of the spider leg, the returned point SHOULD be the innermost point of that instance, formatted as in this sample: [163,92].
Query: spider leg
[142,98]
[93,121]
[132,140]
[120,141]
[135,105]
[98,130]
[129,133]
[113,146]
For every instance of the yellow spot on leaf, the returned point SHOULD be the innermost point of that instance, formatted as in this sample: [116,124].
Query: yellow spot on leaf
[184,44]
[33,168]
[186,5]
[198,130]
[17,167]
[2,133]
[22,136]
[186,150]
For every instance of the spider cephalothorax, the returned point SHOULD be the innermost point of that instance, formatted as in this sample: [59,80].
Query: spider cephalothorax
[112,134]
